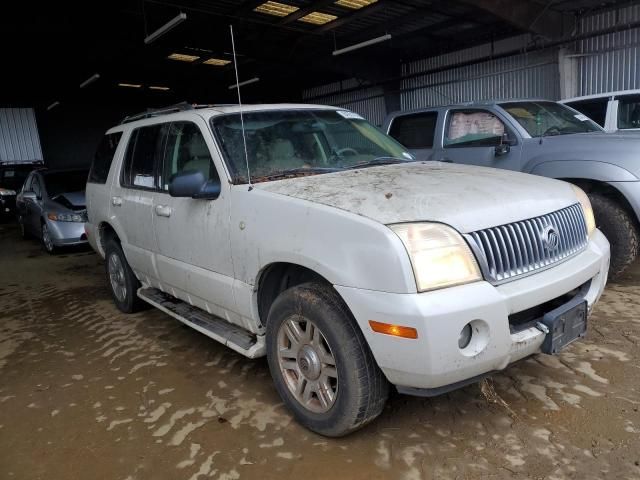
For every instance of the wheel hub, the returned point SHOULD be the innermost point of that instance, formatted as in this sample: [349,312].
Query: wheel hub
[309,362]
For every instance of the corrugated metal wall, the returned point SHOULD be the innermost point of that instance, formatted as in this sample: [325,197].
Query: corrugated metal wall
[19,140]
[367,101]
[612,61]
[519,76]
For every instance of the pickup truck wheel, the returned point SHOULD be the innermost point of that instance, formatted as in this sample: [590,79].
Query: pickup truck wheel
[620,229]
[320,362]
[121,279]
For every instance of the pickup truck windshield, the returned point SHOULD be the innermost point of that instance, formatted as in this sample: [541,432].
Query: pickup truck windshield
[287,143]
[541,119]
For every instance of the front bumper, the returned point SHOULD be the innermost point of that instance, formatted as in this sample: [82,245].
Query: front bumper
[66,233]
[434,360]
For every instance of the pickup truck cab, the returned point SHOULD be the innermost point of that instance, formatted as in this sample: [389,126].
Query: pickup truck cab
[542,138]
[613,111]
[303,233]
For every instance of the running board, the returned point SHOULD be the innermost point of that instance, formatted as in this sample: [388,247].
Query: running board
[232,336]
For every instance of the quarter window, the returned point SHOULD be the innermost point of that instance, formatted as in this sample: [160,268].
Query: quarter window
[629,112]
[143,154]
[415,130]
[473,128]
[186,150]
[103,158]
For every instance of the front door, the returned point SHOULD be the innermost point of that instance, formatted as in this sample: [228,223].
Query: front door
[194,255]
[479,137]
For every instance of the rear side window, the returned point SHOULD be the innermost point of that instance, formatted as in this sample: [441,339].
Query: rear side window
[415,130]
[144,152]
[628,111]
[595,109]
[103,158]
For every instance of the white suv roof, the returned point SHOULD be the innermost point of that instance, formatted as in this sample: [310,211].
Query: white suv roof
[602,95]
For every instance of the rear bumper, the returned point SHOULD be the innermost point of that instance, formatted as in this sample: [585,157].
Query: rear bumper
[434,360]
[92,237]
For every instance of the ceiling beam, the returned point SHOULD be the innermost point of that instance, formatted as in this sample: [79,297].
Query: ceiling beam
[527,16]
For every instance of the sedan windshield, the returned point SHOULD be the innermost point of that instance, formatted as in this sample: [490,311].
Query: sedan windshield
[541,119]
[286,143]
[65,182]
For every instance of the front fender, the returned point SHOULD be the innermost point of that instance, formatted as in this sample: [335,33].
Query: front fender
[587,169]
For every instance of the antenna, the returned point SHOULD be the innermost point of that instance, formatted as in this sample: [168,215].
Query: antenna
[244,138]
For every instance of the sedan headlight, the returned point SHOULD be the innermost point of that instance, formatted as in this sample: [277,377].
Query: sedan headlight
[439,255]
[5,192]
[67,217]
[586,209]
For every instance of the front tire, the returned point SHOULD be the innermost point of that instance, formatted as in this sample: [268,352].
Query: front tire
[620,229]
[121,279]
[47,241]
[320,362]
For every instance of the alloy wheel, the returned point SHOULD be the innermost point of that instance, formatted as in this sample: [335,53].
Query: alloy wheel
[307,364]
[117,277]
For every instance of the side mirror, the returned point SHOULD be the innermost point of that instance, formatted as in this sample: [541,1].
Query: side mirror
[29,195]
[193,184]
[502,149]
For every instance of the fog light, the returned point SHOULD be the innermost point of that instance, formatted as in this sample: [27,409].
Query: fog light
[465,336]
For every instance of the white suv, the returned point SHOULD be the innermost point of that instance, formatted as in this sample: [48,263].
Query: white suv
[305,234]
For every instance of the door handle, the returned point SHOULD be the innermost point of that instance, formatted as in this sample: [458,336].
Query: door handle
[116,201]
[163,210]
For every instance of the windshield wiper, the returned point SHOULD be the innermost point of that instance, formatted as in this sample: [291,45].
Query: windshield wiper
[377,161]
[294,172]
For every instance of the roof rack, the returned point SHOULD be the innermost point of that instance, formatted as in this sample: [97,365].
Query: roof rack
[154,112]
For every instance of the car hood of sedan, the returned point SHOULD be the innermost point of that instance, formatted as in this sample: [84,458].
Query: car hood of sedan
[71,200]
[469,198]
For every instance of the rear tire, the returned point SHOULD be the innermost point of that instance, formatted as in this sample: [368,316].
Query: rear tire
[121,279]
[332,400]
[620,229]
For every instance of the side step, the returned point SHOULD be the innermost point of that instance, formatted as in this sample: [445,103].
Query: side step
[232,336]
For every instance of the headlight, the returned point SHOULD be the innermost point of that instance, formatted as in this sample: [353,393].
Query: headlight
[586,209]
[439,255]
[67,217]
[6,192]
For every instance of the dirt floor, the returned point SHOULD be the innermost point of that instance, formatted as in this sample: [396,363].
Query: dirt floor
[89,393]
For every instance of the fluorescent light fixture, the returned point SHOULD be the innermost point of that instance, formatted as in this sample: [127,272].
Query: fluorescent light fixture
[183,57]
[174,22]
[242,84]
[317,18]
[90,80]
[218,62]
[355,4]
[156,87]
[130,85]
[276,8]
[53,105]
[366,43]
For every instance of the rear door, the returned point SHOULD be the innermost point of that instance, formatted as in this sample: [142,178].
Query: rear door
[194,254]
[133,195]
[471,136]
[416,131]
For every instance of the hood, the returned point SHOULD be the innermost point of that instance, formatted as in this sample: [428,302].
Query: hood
[71,200]
[466,197]
[620,149]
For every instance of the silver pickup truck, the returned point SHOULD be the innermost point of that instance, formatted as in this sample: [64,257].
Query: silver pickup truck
[543,138]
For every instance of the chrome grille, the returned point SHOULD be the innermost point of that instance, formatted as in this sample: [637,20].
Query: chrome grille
[519,248]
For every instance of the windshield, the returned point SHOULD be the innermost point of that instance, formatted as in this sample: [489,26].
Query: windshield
[541,119]
[302,142]
[65,182]
[13,177]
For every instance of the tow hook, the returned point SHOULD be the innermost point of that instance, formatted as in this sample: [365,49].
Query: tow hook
[542,327]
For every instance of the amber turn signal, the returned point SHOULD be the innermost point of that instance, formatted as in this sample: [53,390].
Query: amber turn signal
[393,330]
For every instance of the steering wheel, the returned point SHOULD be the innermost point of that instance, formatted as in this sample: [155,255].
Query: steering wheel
[549,130]
[350,151]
